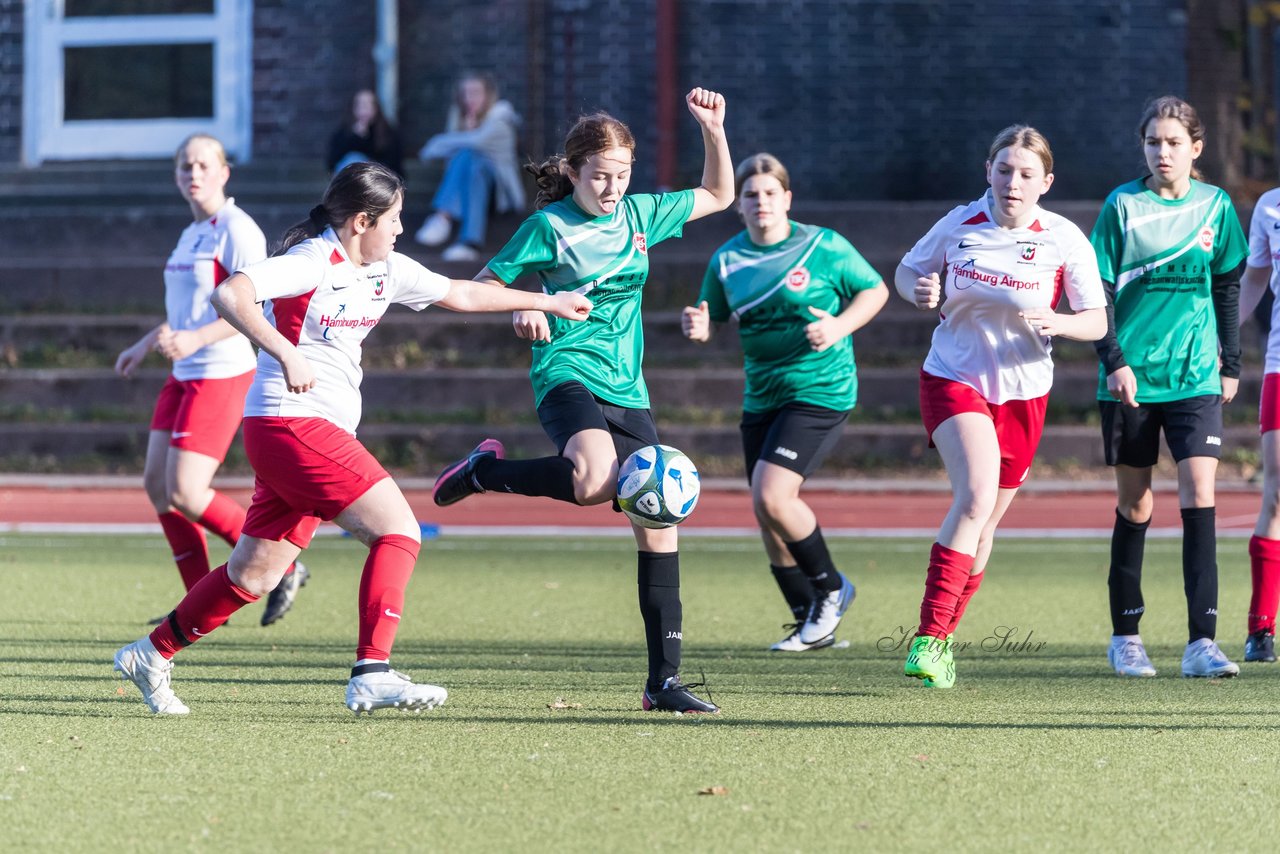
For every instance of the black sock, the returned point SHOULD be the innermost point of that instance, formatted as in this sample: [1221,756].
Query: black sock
[1200,570]
[658,577]
[549,477]
[796,588]
[815,561]
[1125,579]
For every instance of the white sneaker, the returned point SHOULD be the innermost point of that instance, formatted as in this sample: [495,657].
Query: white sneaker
[459,252]
[435,231]
[391,689]
[825,613]
[149,670]
[1129,657]
[792,642]
[1203,658]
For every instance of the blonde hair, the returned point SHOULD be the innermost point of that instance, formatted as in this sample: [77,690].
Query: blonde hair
[203,137]
[760,164]
[1023,136]
[589,135]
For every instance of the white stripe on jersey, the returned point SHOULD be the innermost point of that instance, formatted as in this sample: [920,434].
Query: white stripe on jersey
[1264,251]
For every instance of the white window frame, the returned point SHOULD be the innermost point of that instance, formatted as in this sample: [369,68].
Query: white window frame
[47,135]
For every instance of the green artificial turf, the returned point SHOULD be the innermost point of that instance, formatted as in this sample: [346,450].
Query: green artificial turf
[1038,747]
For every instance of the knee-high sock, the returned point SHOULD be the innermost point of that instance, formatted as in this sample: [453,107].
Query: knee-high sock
[1124,579]
[205,607]
[796,588]
[189,547]
[386,574]
[1200,570]
[223,517]
[1264,566]
[658,579]
[971,585]
[814,560]
[551,477]
[943,586]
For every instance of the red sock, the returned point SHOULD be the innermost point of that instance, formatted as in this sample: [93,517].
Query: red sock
[1264,565]
[203,609]
[190,550]
[386,574]
[223,517]
[943,587]
[971,585]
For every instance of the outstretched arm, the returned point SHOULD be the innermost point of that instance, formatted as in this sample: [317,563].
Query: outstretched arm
[483,296]
[716,192]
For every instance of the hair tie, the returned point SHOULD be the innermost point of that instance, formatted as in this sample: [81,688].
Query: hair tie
[319,217]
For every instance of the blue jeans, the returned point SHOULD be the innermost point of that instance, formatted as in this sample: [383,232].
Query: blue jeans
[464,194]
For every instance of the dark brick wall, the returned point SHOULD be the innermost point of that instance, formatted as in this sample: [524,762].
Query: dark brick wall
[863,99]
[309,57]
[10,81]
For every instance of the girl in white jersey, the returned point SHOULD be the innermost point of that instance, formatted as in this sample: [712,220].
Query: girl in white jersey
[199,408]
[588,235]
[1001,263]
[324,295]
[1263,271]
[798,293]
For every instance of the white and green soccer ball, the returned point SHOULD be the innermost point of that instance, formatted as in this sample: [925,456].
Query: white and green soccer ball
[658,486]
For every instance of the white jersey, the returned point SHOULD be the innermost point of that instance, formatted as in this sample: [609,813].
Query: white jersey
[989,275]
[327,306]
[1264,251]
[207,253]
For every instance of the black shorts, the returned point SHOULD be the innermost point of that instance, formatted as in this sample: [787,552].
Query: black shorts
[1192,428]
[570,408]
[798,436]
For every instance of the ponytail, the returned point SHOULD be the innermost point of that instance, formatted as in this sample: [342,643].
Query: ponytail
[552,177]
[368,188]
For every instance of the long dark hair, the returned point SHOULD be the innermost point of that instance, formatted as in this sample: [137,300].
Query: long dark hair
[1171,107]
[368,188]
[380,129]
[589,135]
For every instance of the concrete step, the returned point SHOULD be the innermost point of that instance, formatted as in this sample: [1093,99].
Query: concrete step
[484,395]
[423,450]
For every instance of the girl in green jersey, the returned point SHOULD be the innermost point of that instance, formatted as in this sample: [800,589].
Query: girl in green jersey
[798,293]
[589,236]
[1169,249]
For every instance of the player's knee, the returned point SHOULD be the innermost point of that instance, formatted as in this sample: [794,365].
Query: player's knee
[976,503]
[594,486]
[770,505]
[1137,509]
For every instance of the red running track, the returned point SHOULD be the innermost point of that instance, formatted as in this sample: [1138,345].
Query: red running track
[866,511]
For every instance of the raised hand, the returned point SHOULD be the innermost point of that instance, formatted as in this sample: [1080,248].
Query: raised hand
[706,106]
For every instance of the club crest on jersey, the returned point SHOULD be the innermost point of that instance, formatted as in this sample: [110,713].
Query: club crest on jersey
[1028,251]
[1206,239]
[797,279]
[378,285]
[638,241]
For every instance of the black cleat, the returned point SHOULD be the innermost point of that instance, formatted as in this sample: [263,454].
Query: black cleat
[459,480]
[280,600]
[676,697]
[1260,646]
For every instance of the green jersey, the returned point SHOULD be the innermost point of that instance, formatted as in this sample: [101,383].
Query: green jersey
[606,258]
[769,290]
[1161,256]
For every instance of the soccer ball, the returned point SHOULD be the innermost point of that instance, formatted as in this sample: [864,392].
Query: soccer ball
[658,486]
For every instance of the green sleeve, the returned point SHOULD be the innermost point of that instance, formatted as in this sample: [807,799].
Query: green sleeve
[530,249]
[855,273]
[1107,239]
[713,293]
[1233,246]
[663,215]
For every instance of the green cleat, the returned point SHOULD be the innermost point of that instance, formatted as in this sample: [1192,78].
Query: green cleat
[931,659]
[948,661]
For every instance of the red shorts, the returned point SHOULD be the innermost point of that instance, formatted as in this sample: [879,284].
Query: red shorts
[202,415]
[1019,423]
[1269,409]
[308,469]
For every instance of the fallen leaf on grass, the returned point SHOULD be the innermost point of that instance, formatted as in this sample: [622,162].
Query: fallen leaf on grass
[120,692]
[920,757]
[714,790]
[561,704]
[862,825]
